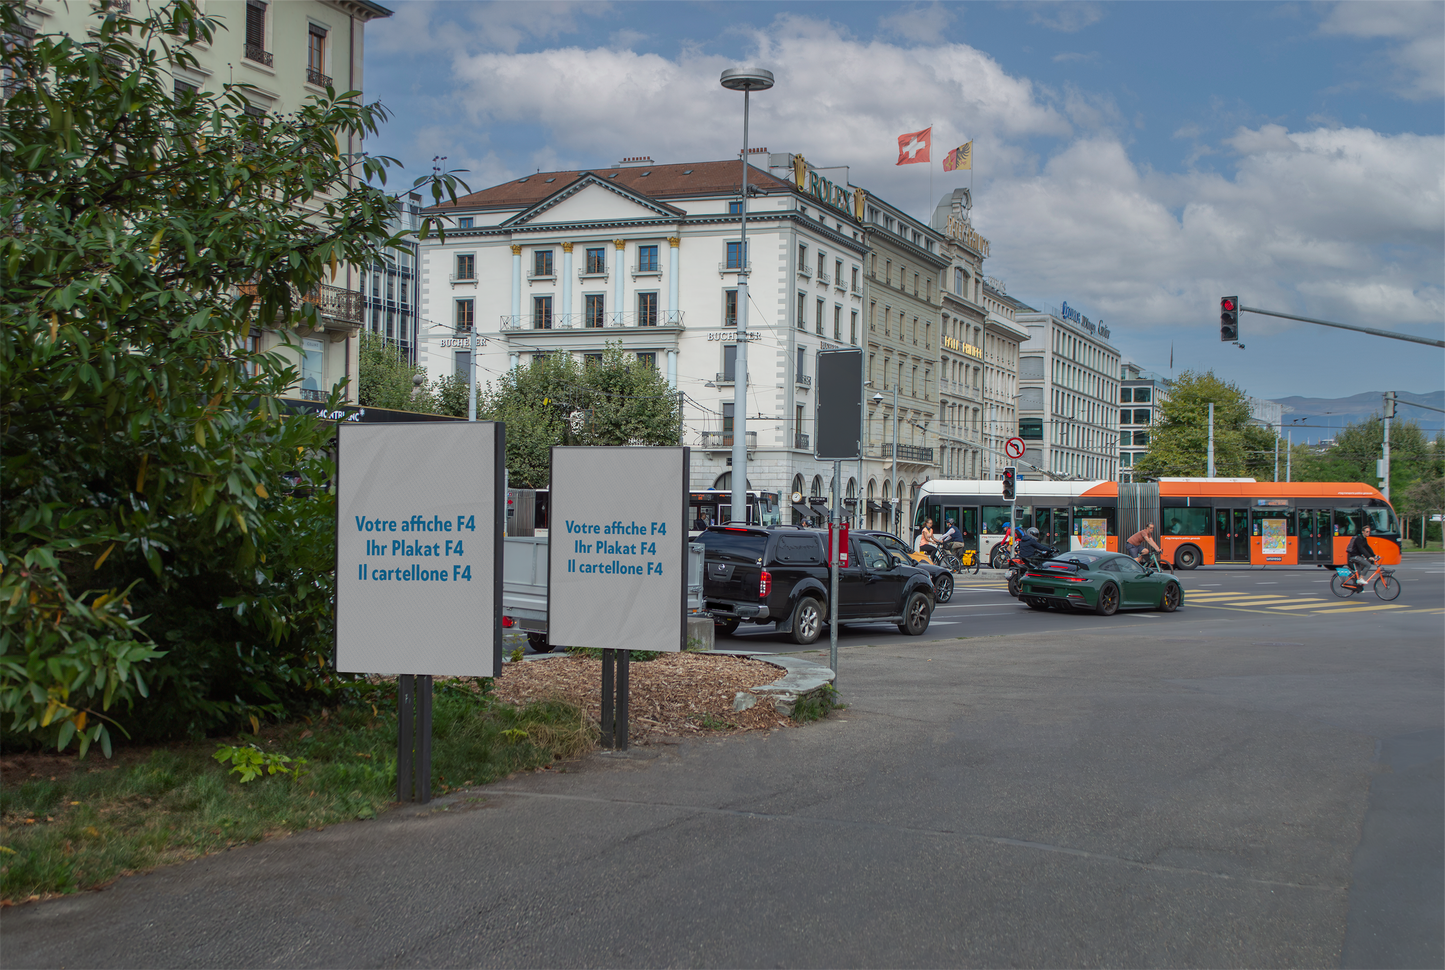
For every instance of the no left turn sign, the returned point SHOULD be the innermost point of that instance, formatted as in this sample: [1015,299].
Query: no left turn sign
[1014,448]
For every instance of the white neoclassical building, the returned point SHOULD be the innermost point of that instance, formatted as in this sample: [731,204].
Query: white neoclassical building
[647,256]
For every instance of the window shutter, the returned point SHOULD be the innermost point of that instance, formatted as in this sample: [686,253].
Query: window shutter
[256,23]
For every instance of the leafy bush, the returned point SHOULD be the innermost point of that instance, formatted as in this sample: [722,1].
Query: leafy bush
[157,574]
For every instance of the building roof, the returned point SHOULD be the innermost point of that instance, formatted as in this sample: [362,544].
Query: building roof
[653,181]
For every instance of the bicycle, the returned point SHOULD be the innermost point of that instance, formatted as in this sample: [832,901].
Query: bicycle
[1149,559]
[1382,580]
[968,562]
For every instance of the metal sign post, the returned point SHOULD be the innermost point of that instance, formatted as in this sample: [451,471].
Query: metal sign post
[838,434]
[419,564]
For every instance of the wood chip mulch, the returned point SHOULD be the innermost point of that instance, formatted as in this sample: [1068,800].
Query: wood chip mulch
[685,694]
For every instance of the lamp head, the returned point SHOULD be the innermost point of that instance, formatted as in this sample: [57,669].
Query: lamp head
[746,79]
[878,398]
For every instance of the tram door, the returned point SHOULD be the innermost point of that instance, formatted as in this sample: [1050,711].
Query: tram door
[1231,535]
[1315,536]
[1053,526]
[966,521]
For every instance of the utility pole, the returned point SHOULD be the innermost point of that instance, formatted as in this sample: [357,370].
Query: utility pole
[1288,453]
[1211,439]
[1385,462]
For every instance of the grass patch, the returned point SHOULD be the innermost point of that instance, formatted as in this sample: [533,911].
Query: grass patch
[68,831]
[818,704]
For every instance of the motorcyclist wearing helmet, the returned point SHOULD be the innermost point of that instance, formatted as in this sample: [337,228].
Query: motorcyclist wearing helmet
[1030,547]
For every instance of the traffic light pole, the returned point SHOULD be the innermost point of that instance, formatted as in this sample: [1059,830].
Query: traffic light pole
[1348,326]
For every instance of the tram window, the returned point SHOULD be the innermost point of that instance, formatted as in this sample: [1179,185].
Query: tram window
[1348,521]
[1192,521]
[1382,520]
[1088,517]
[995,517]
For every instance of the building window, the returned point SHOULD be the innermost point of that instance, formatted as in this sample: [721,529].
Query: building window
[1141,395]
[853,328]
[838,272]
[1031,429]
[855,279]
[888,271]
[1141,416]
[735,255]
[730,362]
[376,286]
[958,281]
[727,422]
[838,324]
[1141,439]
[647,259]
[1126,416]
[467,267]
[256,33]
[799,437]
[541,313]
[593,303]
[404,300]
[1126,395]
[730,308]
[462,366]
[822,265]
[181,90]
[818,319]
[802,312]
[647,309]
[803,258]
[802,358]
[542,262]
[735,208]
[591,360]
[465,222]
[316,56]
[647,359]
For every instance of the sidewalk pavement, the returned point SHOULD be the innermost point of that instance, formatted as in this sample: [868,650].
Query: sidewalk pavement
[1111,800]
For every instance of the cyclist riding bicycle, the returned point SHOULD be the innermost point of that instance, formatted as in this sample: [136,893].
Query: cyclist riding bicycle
[950,539]
[1360,555]
[926,540]
[1139,541]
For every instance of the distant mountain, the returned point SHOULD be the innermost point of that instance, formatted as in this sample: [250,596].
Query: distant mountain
[1313,418]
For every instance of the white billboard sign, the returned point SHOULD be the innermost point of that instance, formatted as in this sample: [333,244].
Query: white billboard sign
[617,548]
[419,548]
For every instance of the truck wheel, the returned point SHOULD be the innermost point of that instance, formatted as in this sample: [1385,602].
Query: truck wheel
[726,627]
[807,620]
[915,615]
[538,642]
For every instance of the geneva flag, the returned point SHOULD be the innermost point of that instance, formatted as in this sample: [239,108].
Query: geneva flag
[960,158]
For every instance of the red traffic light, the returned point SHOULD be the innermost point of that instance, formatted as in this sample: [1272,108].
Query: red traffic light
[1226,303]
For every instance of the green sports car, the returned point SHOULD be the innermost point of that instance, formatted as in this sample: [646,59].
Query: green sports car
[1105,582]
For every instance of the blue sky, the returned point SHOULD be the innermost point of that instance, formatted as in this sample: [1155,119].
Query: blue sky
[1137,160]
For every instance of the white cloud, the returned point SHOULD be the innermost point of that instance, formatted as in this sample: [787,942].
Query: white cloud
[918,23]
[1068,17]
[1419,28]
[1187,131]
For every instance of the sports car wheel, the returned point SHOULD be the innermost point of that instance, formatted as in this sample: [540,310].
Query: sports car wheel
[1169,602]
[1186,557]
[1035,603]
[726,627]
[1108,603]
[943,589]
[807,620]
[915,615]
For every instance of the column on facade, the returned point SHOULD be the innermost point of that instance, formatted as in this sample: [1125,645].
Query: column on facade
[516,285]
[673,242]
[621,268]
[566,283]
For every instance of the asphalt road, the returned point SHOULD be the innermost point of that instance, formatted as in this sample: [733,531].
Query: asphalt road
[1226,786]
[1290,602]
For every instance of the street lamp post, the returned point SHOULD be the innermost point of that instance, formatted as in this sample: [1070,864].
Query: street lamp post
[878,399]
[746,80]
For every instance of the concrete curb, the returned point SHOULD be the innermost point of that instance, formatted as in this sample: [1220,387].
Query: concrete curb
[804,678]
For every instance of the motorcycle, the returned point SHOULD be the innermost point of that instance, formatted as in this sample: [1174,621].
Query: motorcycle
[1018,565]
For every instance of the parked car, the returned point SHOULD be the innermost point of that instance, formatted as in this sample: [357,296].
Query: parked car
[780,575]
[942,578]
[1105,582]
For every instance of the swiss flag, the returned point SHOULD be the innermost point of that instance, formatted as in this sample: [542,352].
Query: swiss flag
[913,147]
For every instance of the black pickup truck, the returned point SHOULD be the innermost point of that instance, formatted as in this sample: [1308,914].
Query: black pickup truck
[780,575]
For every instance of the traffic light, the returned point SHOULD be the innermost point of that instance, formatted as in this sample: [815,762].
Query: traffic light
[1229,319]
[1008,482]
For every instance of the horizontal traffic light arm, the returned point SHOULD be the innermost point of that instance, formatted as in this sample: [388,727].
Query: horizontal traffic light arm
[1347,326]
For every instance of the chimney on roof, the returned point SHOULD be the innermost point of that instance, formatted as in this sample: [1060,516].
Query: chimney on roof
[635,161]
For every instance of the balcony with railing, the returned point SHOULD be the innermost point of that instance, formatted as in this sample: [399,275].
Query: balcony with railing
[732,266]
[334,303]
[724,439]
[254,52]
[315,77]
[800,441]
[824,278]
[911,453]
[609,320]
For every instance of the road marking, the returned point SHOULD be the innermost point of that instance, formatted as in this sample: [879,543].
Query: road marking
[1361,609]
[1269,582]
[1303,605]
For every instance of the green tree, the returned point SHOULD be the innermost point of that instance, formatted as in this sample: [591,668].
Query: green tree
[555,400]
[151,547]
[386,379]
[1179,442]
